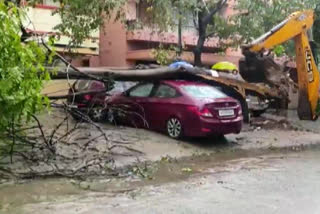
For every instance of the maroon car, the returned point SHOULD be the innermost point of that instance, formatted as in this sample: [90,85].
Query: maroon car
[88,98]
[179,108]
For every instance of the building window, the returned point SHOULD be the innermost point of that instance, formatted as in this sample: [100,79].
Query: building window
[85,63]
[51,3]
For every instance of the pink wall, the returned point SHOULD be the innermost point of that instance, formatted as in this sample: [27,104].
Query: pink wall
[188,38]
[113,45]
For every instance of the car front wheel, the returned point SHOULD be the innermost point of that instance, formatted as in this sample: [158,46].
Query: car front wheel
[97,114]
[174,128]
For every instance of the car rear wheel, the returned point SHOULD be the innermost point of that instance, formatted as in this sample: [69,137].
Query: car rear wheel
[174,128]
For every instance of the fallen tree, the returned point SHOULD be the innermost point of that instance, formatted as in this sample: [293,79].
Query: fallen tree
[234,88]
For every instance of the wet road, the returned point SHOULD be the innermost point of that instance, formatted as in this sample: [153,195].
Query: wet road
[279,183]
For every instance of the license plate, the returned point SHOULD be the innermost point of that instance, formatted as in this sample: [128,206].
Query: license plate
[224,113]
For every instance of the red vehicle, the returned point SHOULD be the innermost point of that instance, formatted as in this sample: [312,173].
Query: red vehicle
[92,104]
[179,108]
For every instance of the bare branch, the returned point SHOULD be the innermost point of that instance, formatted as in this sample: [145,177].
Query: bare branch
[221,4]
[59,97]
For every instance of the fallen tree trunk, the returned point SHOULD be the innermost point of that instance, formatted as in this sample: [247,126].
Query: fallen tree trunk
[195,74]
[126,75]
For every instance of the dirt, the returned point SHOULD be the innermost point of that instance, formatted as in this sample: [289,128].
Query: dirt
[167,170]
[45,196]
[285,183]
[160,159]
[130,147]
[263,122]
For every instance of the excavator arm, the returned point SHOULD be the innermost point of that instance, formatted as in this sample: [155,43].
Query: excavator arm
[257,66]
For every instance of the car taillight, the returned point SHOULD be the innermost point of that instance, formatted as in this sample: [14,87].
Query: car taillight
[87,97]
[204,112]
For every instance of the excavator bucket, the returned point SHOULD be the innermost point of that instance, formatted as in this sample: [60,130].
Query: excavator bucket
[259,68]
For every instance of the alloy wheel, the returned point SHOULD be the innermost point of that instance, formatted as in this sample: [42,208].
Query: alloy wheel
[174,128]
[97,114]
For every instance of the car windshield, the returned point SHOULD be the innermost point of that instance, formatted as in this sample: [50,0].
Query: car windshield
[201,91]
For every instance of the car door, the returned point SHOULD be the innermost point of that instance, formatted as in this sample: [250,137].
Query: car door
[162,105]
[136,101]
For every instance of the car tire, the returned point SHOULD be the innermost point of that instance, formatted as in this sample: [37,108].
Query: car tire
[174,128]
[98,114]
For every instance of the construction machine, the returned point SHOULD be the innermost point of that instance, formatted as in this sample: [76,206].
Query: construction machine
[257,66]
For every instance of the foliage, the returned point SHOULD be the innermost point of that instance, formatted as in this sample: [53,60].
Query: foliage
[279,50]
[316,26]
[165,14]
[163,55]
[22,71]
[257,17]
[253,18]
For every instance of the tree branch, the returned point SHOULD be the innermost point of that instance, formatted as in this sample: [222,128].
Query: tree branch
[206,20]
[210,34]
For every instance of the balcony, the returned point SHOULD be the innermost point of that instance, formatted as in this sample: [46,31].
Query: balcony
[188,38]
[207,58]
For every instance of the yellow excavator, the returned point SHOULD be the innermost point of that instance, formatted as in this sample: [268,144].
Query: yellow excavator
[257,66]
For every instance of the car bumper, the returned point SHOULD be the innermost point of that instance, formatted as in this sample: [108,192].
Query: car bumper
[209,127]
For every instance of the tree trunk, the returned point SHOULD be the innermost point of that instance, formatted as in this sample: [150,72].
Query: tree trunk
[198,51]
[202,30]
[204,19]
[128,75]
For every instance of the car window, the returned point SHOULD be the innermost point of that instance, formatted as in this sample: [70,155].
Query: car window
[141,90]
[201,91]
[165,91]
[82,85]
[121,86]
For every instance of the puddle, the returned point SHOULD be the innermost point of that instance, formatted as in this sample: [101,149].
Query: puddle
[15,195]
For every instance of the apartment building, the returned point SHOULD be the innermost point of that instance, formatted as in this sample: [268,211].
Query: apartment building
[40,21]
[117,46]
[120,47]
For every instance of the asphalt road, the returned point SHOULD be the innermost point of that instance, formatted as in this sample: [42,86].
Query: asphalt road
[280,183]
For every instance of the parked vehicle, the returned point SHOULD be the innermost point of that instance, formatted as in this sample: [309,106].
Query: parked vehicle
[88,98]
[257,105]
[179,108]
